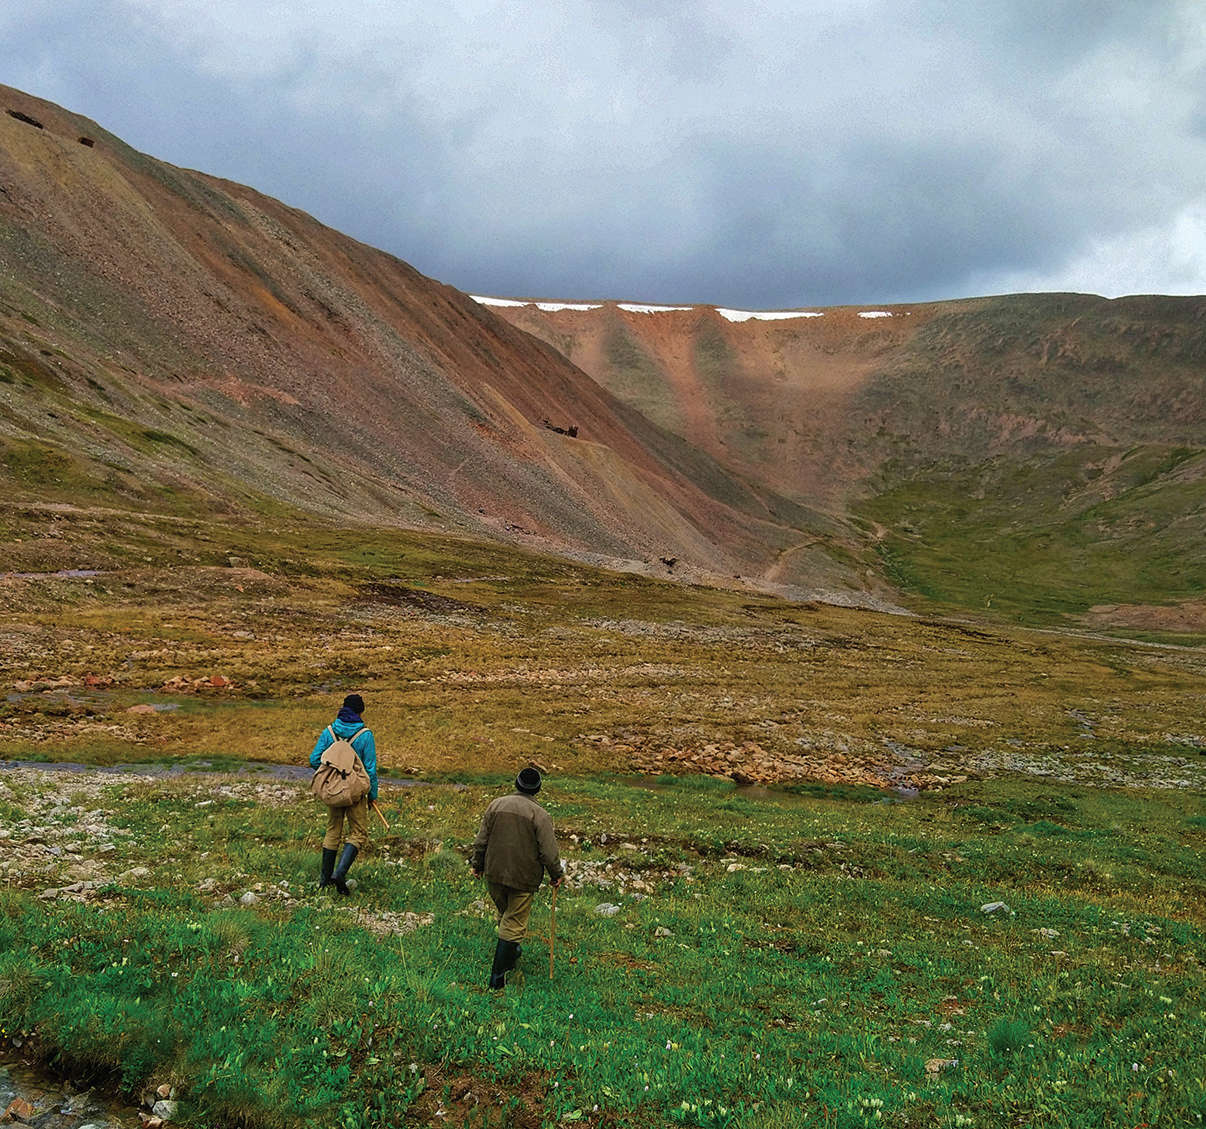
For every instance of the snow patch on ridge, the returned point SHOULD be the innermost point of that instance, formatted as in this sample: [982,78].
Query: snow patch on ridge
[766,315]
[644,308]
[548,307]
[635,308]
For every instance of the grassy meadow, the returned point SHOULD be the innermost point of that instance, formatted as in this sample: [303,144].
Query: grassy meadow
[806,950]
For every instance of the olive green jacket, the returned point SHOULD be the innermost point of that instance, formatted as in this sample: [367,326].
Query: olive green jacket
[516,845]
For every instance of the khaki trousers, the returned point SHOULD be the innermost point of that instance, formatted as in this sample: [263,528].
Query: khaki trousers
[514,906]
[357,816]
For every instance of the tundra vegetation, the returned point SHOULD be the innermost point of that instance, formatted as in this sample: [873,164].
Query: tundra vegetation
[764,925]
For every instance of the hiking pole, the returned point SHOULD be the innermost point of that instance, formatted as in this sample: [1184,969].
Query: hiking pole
[552,930]
[379,815]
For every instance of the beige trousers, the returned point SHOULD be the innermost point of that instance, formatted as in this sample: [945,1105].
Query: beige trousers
[357,816]
[514,906]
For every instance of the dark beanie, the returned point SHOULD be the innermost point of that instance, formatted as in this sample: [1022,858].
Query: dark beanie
[354,702]
[528,781]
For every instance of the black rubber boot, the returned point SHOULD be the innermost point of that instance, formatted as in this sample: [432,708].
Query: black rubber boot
[348,857]
[328,868]
[505,955]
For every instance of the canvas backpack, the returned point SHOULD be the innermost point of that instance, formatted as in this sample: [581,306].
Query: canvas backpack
[341,779]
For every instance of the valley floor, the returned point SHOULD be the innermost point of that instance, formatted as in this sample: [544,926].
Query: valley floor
[784,825]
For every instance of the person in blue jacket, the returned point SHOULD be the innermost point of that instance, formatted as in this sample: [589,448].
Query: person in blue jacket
[349,725]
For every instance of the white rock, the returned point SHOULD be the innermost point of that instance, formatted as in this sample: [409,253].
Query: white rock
[164,1109]
[248,899]
[607,909]
[662,931]
[993,907]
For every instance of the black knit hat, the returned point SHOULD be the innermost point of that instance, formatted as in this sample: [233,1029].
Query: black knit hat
[529,781]
[354,702]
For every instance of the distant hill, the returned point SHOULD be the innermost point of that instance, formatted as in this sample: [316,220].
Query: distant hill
[1035,455]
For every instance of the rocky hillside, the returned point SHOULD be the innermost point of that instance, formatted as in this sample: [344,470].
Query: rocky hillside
[1041,454]
[175,341]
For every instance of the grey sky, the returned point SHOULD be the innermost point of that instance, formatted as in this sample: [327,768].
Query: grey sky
[761,155]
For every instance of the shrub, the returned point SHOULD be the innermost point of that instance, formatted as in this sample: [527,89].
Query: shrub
[1007,1037]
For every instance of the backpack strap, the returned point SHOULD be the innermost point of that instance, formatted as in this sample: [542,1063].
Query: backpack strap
[352,739]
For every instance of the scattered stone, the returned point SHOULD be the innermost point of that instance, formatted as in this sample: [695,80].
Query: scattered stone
[1050,934]
[250,898]
[136,874]
[141,708]
[164,1091]
[164,1109]
[385,924]
[18,1110]
[993,907]
[935,1066]
[607,909]
[662,931]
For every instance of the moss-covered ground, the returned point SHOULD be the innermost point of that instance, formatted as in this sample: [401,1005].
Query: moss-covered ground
[812,951]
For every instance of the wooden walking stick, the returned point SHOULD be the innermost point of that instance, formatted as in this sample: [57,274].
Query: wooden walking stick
[552,930]
[379,815]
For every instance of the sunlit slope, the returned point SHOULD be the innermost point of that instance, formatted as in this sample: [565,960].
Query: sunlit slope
[1036,454]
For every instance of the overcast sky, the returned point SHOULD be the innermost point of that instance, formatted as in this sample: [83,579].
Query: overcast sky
[763,155]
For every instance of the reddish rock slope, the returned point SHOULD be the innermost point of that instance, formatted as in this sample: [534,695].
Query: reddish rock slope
[172,328]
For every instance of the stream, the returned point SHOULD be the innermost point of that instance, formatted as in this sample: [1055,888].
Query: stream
[32,1097]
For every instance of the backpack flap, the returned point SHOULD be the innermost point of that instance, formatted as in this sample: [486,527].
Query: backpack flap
[341,779]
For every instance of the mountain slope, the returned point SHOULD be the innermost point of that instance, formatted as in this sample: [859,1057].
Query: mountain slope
[1034,454]
[162,330]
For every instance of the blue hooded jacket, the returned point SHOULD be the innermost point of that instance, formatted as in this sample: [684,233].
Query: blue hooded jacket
[366,747]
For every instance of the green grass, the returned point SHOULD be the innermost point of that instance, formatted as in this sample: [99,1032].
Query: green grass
[806,978]
[1045,539]
[783,956]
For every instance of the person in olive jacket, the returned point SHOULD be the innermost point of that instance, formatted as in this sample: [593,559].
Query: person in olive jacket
[513,849]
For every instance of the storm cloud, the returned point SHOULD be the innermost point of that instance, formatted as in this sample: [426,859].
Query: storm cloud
[774,154]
